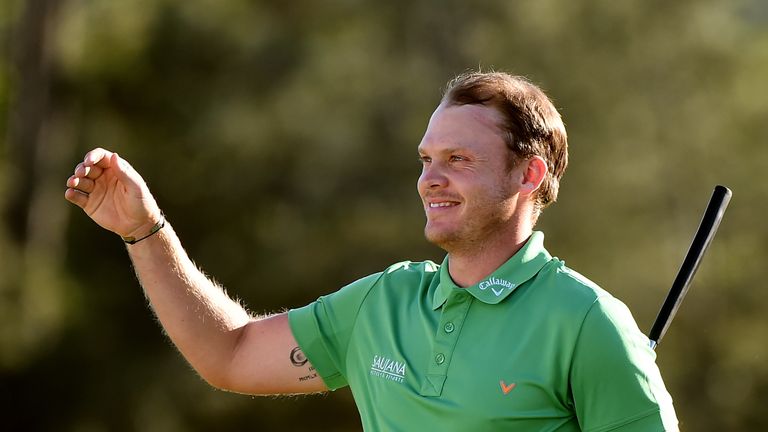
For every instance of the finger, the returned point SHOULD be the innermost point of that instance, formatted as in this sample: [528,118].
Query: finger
[83,184]
[97,157]
[76,197]
[92,172]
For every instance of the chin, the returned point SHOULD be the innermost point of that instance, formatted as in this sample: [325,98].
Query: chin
[441,238]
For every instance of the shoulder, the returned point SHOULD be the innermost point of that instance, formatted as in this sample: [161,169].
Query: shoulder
[400,274]
[411,270]
[597,309]
[406,275]
[570,294]
[558,280]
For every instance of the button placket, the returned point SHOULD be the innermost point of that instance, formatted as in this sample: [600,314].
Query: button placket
[447,333]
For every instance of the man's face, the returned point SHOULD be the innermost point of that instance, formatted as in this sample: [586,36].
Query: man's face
[468,192]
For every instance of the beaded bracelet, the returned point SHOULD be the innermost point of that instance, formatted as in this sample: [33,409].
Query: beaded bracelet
[157,227]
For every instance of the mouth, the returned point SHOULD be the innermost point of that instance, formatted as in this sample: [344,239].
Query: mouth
[439,205]
[442,204]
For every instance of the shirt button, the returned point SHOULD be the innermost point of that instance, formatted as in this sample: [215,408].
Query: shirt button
[439,359]
[449,327]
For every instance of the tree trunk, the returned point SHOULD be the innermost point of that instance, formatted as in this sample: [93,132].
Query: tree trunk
[33,282]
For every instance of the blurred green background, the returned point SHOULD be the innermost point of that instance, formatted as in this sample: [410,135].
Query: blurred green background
[279,137]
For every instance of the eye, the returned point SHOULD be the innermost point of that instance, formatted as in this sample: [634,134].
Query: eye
[424,159]
[457,158]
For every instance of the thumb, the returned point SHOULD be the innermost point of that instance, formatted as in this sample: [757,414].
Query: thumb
[126,174]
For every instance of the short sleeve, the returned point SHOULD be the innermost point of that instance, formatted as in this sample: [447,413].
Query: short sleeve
[323,329]
[615,381]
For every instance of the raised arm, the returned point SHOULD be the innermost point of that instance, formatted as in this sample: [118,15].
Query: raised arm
[229,348]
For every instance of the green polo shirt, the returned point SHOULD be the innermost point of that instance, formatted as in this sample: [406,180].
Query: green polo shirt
[534,347]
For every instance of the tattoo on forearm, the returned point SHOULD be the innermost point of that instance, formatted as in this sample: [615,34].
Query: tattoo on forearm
[299,359]
[312,375]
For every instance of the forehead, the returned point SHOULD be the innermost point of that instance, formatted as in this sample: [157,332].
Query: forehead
[462,125]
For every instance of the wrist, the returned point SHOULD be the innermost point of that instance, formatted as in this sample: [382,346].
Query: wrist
[146,230]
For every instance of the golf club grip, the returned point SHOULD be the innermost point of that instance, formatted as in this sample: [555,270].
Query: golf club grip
[704,235]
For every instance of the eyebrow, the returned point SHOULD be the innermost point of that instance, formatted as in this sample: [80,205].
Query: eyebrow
[420,150]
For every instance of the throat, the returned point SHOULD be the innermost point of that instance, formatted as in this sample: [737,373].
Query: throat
[469,267]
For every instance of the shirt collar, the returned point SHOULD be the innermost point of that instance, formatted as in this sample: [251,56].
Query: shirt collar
[499,285]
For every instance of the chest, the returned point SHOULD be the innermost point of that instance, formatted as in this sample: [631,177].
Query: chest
[468,363]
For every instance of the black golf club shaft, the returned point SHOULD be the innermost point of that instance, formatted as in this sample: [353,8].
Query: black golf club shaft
[704,235]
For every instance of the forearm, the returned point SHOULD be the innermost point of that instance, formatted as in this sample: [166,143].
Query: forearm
[216,335]
[198,316]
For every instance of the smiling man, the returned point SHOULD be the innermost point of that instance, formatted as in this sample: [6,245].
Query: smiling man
[500,336]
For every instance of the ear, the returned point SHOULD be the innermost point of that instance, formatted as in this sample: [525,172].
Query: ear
[534,172]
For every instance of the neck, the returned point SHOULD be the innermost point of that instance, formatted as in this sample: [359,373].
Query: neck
[468,267]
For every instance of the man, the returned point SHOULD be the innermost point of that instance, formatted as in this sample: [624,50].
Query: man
[501,336]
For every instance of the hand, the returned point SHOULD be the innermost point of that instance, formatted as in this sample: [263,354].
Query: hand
[113,194]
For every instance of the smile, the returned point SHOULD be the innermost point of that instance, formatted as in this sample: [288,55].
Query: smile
[443,204]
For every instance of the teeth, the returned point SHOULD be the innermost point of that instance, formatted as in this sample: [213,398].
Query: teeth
[441,204]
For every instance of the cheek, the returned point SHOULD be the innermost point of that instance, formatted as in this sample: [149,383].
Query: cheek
[491,194]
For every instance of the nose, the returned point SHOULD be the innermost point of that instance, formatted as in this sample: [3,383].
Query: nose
[432,177]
